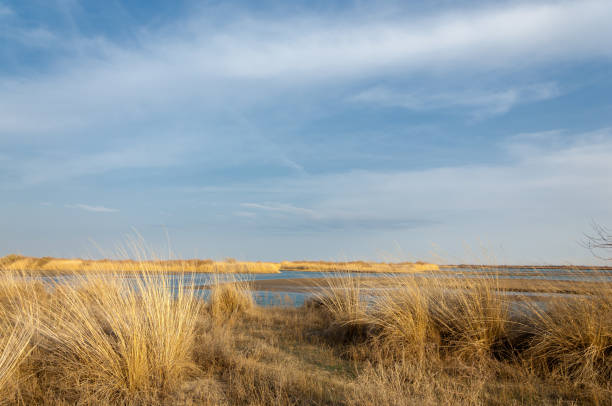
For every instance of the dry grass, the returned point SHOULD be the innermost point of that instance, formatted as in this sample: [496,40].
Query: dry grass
[98,339]
[117,340]
[357,266]
[573,337]
[229,297]
[425,325]
[55,265]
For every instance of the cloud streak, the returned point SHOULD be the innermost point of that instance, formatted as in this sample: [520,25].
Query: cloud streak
[171,71]
[95,209]
[480,104]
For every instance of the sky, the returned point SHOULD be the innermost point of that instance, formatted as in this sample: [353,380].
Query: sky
[441,131]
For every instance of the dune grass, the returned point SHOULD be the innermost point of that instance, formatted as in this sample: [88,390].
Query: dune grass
[144,340]
[229,297]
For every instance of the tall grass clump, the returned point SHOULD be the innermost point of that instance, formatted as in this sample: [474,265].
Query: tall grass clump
[419,316]
[229,297]
[572,337]
[15,346]
[472,316]
[343,297]
[344,302]
[17,323]
[111,340]
[404,319]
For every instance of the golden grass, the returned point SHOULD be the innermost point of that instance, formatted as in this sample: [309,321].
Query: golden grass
[357,266]
[573,337]
[50,265]
[229,297]
[471,320]
[140,340]
[118,342]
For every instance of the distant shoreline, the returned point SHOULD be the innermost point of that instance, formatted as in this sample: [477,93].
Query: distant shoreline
[565,267]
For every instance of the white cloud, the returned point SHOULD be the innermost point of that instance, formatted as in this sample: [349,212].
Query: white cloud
[548,174]
[195,67]
[478,103]
[96,209]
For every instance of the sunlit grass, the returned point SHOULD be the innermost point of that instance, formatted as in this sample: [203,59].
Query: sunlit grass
[49,264]
[358,266]
[147,338]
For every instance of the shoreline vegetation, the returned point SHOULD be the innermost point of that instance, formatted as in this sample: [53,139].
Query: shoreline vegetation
[60,265]
[51,265]
[530,267]
[358,266]
[99,340]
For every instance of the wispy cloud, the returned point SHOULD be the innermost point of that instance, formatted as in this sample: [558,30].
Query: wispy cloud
[281,208]
[5,10]
[169,73]
[546,175]
[478,104]
[96,209]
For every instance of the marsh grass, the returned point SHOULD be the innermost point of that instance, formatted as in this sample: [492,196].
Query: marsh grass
[117,342]
[97,339]
[147,339]
[573,337]
[419,324]
[229,297]
[357,266]
[62,265]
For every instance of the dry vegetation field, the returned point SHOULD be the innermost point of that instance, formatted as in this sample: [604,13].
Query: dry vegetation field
[357,266]
[99,341]
[60,265]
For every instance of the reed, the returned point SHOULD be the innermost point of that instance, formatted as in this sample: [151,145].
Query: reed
[357,266]
[143,338]
[118,341]
[229,297]
[572,337]
[62,265]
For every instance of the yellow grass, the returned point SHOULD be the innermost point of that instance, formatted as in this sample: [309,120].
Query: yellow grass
[229,297]
[49,264]
[357,266]
[139,340]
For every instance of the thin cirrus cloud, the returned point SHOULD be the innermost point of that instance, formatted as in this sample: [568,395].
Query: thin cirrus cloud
[95,209]
[548,174]
[479,104]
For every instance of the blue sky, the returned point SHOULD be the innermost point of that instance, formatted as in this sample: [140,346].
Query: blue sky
[448,131]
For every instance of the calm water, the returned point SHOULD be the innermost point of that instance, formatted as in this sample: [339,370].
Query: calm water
[275,298]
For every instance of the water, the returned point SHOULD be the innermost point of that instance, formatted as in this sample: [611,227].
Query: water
[276,298]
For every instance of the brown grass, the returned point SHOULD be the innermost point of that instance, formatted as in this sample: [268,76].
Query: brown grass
[61,265]
[229,297]
[111,340]
[357,266]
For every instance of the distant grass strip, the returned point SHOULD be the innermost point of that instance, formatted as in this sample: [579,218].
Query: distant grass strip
[357,266]
[59,265]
